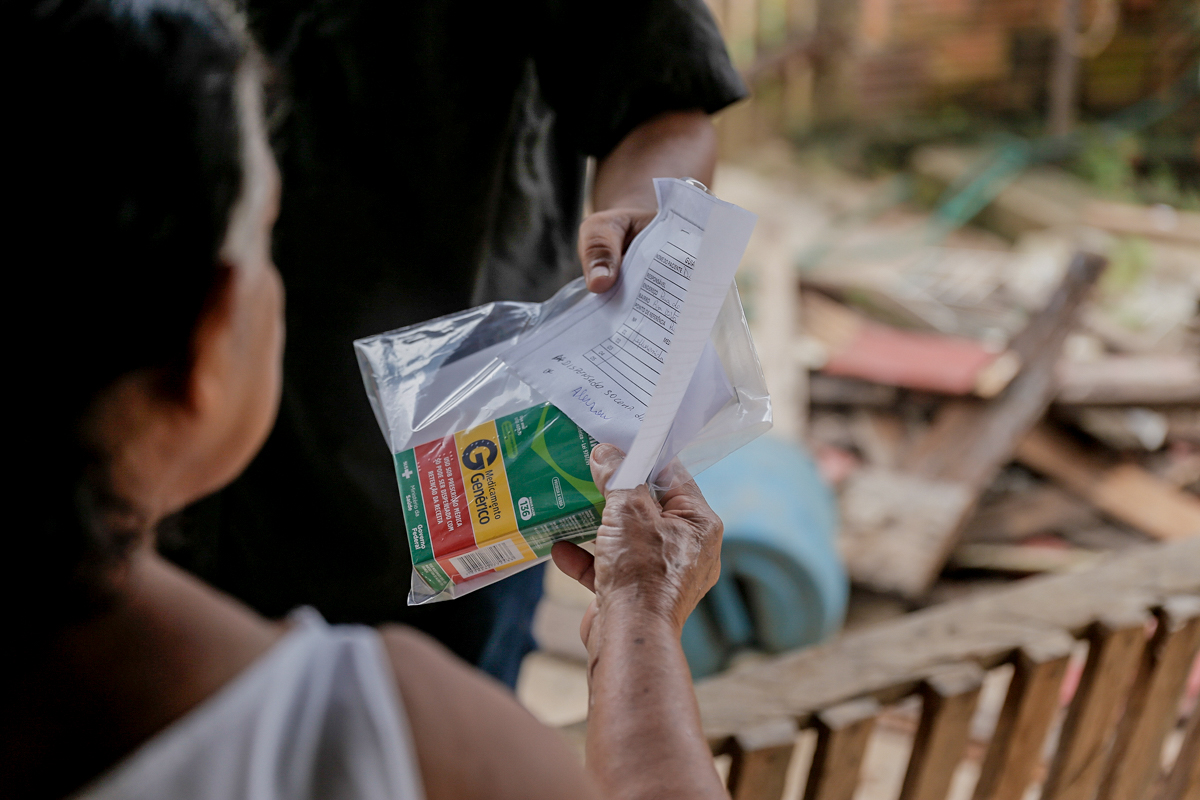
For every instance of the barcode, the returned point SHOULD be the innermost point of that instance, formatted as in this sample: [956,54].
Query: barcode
[556,530]
[491,557]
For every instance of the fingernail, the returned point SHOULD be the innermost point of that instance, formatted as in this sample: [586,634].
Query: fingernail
[602,452]
[606,452]
[600,269]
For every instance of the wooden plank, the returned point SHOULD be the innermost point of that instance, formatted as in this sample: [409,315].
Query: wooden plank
[1130,380]
[1049,197]
[1144,429]
[828,390]
[1040,509]
[1184,781]
[801,47]
[1063,90]
[1161,222]
[1029,707]
[1115,649]
[949,700]
[891,520]
[1153,703]
[761,756]
[834,95]
[842,735]
[879,436]
[867,350]
[1143,500]
[970,441]
[1120,428]
[1041,197]
[1126,492]
[888,661]
[1022,559]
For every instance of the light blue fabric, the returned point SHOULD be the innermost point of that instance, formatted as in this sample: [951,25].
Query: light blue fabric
[782,585]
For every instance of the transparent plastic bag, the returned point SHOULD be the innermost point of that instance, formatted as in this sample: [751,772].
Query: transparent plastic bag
[470,438]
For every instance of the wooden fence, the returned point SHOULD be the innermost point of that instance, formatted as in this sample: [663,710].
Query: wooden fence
[1137,616]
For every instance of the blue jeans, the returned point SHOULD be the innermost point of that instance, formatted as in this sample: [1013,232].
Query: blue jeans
[510,639]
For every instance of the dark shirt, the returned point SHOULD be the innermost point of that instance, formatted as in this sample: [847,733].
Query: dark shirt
[433,157]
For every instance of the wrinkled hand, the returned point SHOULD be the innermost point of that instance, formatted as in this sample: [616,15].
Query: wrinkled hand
[603,239]
[662,556]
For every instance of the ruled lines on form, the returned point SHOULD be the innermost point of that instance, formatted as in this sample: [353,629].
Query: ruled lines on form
[633,357]
[616,361]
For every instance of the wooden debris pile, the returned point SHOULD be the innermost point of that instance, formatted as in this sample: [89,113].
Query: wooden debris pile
[1015,400]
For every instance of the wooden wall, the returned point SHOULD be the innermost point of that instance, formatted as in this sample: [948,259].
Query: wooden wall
[815,61]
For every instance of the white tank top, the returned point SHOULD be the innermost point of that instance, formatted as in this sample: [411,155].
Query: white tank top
[318,716]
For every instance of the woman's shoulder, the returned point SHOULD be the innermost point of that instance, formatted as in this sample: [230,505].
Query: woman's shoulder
[473,739]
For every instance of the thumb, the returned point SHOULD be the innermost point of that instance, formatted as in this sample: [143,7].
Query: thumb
[605,460]
[601,243]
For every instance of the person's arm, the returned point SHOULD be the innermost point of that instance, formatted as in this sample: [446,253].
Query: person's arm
[654,561]
[473,740]
[675,144]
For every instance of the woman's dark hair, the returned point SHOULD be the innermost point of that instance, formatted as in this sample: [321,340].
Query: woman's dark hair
[122,161]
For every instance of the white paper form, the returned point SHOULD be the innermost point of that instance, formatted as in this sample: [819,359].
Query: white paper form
[629,364]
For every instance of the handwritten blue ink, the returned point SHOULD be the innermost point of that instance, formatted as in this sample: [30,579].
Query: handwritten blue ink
[582,396]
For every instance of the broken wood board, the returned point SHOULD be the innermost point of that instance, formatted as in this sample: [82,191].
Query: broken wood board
[860,348]
[1121,428]
[1041,197]
[880,436]
[1048,510]
[1130,380]
[955,291]
[1023,559]
[1048,197]
[1156,222]
[1124,491]
[827,390]
[966,446]
[888,516]
[888,661]
[1042,509]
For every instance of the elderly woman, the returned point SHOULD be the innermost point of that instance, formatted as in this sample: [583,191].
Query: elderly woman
[141,198]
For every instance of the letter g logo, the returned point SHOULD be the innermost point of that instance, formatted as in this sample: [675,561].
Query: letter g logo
[479,454]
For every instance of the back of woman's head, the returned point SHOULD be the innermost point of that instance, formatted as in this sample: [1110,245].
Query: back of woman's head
[122,151]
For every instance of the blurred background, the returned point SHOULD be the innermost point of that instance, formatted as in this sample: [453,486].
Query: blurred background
[974,291]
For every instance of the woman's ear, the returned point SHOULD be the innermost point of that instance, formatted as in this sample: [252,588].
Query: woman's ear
[205,383]
[234,374]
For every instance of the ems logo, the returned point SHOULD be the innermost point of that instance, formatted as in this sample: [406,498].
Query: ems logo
[525,507]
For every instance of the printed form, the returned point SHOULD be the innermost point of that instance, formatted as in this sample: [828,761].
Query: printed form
[635,364]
